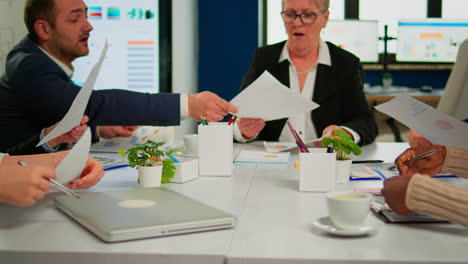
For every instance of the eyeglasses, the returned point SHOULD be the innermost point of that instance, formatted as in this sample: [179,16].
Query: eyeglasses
[306,18]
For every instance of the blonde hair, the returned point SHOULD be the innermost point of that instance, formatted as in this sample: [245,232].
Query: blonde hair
[324,5]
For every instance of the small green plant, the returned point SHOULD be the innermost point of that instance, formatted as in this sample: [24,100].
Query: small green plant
[150,154]
[343,144]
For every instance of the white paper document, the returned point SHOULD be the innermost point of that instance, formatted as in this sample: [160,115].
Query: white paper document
[72,165]
[372,171]
[140,136]
[268,99]
[437,127]
[255,158]
[76,111]
[275,146]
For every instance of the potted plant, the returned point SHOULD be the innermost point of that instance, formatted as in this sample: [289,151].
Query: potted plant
[343,145]
[153,163]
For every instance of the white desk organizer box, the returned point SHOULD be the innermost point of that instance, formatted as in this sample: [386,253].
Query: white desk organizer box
[186,170]
[317,171]
[215,147]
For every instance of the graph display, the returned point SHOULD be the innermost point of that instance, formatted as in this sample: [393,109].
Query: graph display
[132,31]
[430,40]
[359,37]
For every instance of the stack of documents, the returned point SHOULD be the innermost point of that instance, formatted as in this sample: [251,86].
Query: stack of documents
[372,171]
[256,158]
[275,147]
[108,163]
[381,210]
[140,136]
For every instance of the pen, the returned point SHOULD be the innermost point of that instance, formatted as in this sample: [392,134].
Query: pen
[116,167]
[444,176]
[421,156]
[174,159]
[299,142]
[330,148]
[233,118]
[203,121]
[363,178]
[56,184]
[367,161]
[418,157]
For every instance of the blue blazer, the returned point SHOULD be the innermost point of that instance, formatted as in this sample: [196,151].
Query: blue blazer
[338,91]
[35,93]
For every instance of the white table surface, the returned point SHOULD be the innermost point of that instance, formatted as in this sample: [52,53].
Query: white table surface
[274,226]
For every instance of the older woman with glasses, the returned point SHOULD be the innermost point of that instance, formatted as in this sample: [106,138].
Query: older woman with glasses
[317,70]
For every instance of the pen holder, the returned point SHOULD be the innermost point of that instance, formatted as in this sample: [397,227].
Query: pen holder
[186,170]
[215,146]
[317,171]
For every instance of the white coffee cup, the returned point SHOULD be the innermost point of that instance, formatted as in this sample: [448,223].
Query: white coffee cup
[191,145]
[348,209]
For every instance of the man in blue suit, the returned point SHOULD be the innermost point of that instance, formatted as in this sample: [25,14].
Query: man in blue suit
[36,90]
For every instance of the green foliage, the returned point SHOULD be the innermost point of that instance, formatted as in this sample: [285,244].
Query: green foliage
[150,154]
[343,144]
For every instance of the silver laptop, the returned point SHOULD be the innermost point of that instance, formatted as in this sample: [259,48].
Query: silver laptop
[142,213]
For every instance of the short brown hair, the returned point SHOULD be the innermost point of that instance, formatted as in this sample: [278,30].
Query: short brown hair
[35,10]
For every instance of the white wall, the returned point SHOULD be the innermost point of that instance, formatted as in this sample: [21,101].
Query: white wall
[185,54]
[12,27]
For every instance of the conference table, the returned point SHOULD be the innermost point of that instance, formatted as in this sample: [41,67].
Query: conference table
[274,226]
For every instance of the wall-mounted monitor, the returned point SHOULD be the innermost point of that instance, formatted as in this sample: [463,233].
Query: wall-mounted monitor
[138,35]
[430,40]
[359,37]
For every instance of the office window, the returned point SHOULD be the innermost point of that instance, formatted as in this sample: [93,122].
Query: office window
[274,25]
[454,9]
[357,36]
[388,13]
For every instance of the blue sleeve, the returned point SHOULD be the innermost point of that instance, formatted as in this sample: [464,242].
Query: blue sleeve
[47,93]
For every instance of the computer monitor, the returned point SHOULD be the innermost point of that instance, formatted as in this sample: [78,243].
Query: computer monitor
[430,40]
[139,45]
[359,37]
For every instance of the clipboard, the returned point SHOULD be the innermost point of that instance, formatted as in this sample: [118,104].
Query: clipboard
[384,213]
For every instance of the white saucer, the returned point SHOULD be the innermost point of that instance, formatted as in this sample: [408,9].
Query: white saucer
[325,224]
[187,155]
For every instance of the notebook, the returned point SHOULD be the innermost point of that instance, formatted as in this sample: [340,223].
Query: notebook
[109,163]
[261,158]
[372,171]
[275,146]
[382,211]
[142,213]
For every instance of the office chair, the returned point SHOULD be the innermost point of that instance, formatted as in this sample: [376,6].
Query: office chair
[454,100]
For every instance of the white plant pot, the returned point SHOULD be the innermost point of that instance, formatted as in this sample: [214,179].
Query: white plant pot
[150,176]
[343,170]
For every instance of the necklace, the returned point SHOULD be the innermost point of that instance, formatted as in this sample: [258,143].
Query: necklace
[306,71]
